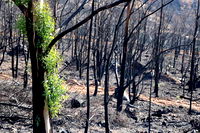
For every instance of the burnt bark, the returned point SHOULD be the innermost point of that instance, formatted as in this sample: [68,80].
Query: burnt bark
[88,73]
[123,64]
[157,54]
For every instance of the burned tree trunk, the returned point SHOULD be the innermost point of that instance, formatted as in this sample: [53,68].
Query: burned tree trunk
[157,54]
[121,88]
[88,73]
[193,59]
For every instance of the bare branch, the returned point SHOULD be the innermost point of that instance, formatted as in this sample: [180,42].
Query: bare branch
[22,8]
[66,22]
[149,63]
[59,36]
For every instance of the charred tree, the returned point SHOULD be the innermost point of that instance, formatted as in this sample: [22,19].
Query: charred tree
[157,53]
[121,88]
[193,59]
[88,72]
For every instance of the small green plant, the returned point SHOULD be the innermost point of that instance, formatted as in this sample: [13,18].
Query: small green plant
[21,24]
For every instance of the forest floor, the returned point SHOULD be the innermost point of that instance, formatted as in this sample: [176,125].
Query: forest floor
[169,112]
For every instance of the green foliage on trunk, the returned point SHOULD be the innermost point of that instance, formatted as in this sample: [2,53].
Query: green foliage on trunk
[22,2]
[54,88]
[55,91]
[21,24]
[44,24]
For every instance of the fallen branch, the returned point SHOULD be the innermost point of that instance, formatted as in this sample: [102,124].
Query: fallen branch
[13,105]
